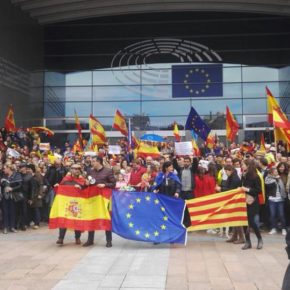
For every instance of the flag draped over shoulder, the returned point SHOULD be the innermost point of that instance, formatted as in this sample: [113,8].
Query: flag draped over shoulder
[120,123]
[195,123]
[84,210]
[232,125]
[148,217]
[176,132]
[9,120]
[218,210]
[98,135]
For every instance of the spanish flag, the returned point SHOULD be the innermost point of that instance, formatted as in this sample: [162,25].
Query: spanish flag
[83,210]
[224,209]
[120,123]
[281,130]
[97,131]
[211,140]
[143,150]
[176,132]
[262,144]
[9,120]
[79,128]
[44,130]
[232,125]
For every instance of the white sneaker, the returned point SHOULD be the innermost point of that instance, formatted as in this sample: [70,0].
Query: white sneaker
[284,232]
[272,232]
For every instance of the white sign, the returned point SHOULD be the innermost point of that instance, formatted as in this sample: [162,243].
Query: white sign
[183,148]
[44,146]
[12,152]
[114,149]
[90,153]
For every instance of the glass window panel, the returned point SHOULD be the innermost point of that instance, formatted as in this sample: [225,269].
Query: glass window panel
[165,123]
[232,91]
[67,124]
[255,106]
[257,90]
[78,94]
[109,108]
[54,109]
[158,92]
[217,107]
[259,74]
[116,77]
[79,78]
[55,94]
[232,74]
[163,108]
[156,76]
[84,109]
[116,93]
[256,121]
[54,79]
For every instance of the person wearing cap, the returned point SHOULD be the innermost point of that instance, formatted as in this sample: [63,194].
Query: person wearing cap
[75,179]
[101,177]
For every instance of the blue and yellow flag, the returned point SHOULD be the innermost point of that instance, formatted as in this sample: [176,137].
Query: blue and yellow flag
[148,217]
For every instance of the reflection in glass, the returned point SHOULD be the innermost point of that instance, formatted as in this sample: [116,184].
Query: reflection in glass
[116,93]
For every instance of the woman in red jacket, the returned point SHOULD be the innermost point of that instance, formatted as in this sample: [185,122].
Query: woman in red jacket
[205,182]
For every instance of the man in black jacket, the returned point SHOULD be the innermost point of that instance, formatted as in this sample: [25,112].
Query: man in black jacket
[101,177]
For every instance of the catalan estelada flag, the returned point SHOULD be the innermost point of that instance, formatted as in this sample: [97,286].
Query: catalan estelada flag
[120,123]
[97,131]
[9,120]
[83,210]
[176,132]
[232,125]
[224,209]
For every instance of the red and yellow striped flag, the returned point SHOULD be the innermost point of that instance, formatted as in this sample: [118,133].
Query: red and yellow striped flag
[83,210]
[224,209]
[97,131]
[144,150]
[120,123]
[176,132]
[9,120]
[232,126]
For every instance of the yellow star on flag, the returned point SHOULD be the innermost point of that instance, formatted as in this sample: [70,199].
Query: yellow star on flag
[162,208]
[137,232]
[138,200]
[156,234]
[163,227]
[165,218]
[131,206]
[131,225]
[147,235]
[156,201]
[147,198]
[128,215]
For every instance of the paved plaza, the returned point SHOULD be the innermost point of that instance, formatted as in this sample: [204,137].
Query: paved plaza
[32,260]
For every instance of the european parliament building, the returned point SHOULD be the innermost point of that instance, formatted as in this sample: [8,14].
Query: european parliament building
[152,60]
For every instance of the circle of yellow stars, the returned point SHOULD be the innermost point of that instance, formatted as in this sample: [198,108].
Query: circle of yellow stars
[146,234]
[189,86]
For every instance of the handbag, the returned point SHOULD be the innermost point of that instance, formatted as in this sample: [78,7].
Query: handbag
[18,196]
[249,199]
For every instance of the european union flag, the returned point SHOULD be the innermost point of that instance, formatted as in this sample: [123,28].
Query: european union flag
[195,123]
[197,81]
[148,217]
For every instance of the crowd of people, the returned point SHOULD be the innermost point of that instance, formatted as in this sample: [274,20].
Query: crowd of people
[29,178]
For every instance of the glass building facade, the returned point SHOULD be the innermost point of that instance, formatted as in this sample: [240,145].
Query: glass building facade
[145,95]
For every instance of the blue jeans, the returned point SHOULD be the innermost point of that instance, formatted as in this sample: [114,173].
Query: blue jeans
[277,207]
